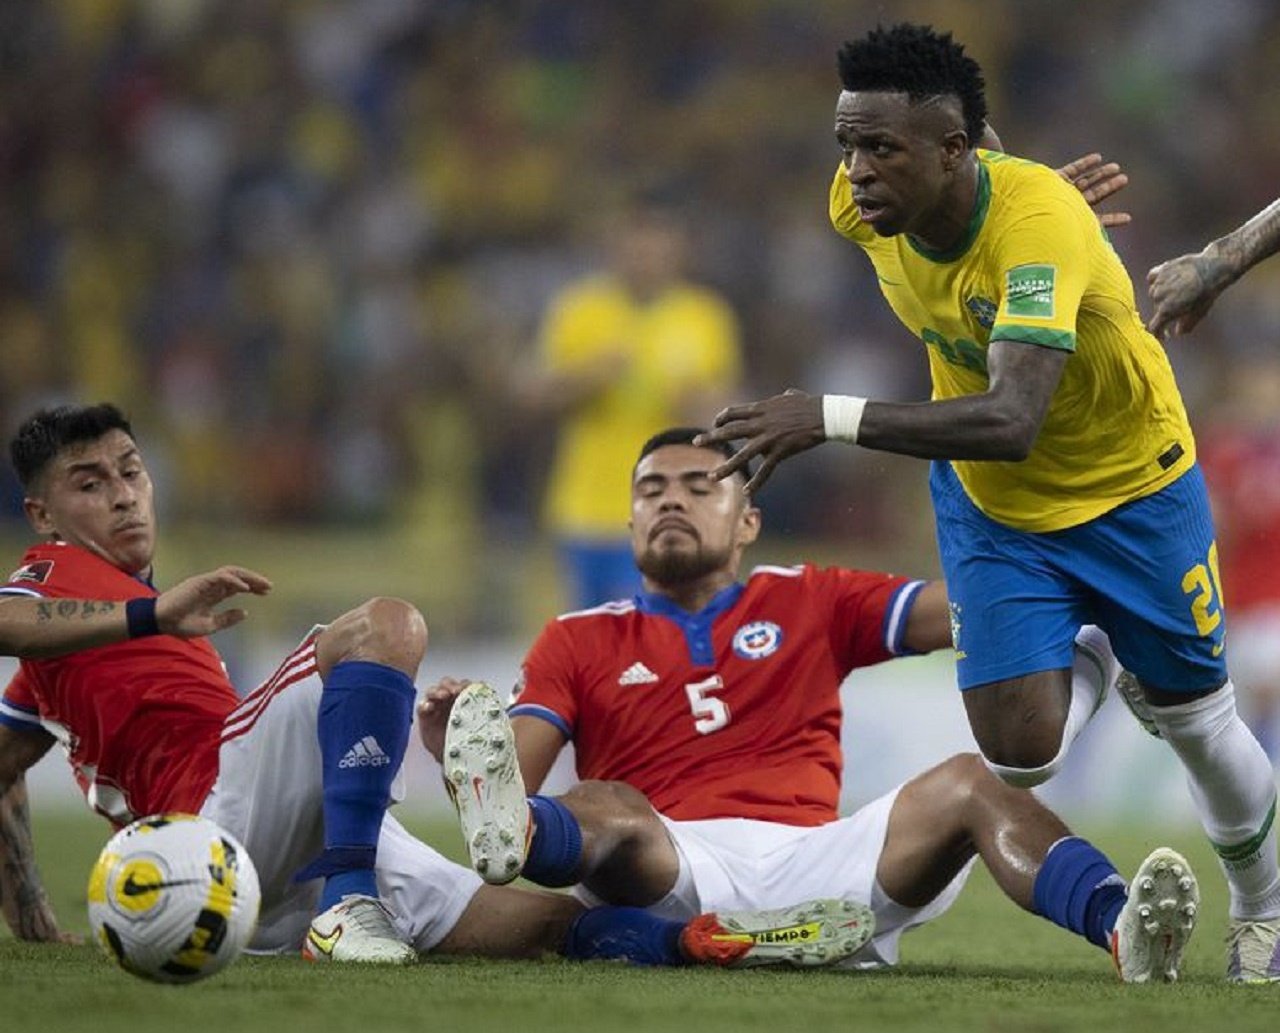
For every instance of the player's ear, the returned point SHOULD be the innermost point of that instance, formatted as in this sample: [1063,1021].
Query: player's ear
[955,145]
[38,515]
[748,525]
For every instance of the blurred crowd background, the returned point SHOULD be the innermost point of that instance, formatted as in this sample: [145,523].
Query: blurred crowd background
[308,244]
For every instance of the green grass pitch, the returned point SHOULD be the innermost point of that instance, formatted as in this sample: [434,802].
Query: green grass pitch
[985,966]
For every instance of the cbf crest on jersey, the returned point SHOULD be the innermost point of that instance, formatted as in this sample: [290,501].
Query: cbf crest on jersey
[984,311]
[757,640]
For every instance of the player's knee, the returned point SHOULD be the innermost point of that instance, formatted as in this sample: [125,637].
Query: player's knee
[614,811]
[384,630]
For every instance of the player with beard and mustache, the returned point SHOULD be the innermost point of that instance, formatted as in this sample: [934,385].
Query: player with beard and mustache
[705,717]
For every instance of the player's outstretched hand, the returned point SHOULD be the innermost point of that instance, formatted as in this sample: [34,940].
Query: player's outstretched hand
[1184,289]
[1097,180]
[773,428]
[433,712]
[188,608]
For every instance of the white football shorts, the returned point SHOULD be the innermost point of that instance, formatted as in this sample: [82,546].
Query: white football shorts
[735,864]
[269,795]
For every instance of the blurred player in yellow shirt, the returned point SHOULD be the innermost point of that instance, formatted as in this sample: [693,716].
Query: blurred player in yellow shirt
[624,354]
[1064,483]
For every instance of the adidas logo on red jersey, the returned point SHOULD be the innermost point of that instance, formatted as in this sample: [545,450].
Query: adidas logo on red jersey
[637,674]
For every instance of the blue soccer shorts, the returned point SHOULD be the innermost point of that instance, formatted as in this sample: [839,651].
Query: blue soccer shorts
[1146,573]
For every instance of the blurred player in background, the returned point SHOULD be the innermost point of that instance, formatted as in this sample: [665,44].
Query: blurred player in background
[623,354]
[301,770]
[715,703]
[1065,485]
[1185,288]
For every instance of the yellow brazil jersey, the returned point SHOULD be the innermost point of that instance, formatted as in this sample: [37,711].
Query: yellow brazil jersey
[682,342]
[1036,266]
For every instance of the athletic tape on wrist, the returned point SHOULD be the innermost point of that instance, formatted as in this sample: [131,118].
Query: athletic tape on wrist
[140,617]
[842,416]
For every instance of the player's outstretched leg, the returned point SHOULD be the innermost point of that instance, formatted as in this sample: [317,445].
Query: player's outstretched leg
[483,778]
[1157,919]
[817,932]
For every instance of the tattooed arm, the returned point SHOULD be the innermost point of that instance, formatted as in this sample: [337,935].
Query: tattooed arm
[32,628]
[22,897]
[1185,288]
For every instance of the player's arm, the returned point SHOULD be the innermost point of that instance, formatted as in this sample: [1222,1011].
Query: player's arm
[538,744]
[23,899]
[1185,288]
[999,424]
[34,627]
[929,620]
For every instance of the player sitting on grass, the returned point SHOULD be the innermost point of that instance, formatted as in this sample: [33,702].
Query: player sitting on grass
[300,770]
[708,711]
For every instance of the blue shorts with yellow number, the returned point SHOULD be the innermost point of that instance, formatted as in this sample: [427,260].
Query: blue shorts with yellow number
[1146,573]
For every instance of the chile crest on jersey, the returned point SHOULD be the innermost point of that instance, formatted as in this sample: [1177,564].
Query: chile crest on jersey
[757,640]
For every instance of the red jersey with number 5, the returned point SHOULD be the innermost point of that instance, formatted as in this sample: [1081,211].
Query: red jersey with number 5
[732,712]
[141,719]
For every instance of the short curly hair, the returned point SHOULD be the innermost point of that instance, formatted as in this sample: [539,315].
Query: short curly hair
[917,61]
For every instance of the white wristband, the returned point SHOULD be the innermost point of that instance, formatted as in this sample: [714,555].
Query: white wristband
[841,417]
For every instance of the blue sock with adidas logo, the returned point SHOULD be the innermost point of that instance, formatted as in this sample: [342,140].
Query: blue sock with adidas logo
[1080,890]
[366,711]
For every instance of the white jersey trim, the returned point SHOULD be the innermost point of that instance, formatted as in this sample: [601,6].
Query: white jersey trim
[15,590]
[895,625]
[617,608]
[769,568]
[15,715]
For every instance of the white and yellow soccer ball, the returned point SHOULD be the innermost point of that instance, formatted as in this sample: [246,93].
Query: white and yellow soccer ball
[173,898]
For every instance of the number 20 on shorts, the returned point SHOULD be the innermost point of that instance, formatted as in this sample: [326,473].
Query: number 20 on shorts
[1203,584]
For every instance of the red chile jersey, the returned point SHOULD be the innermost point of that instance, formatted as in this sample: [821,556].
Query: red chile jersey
[732,712]
[140,720]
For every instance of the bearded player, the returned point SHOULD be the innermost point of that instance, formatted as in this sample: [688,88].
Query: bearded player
[708,712]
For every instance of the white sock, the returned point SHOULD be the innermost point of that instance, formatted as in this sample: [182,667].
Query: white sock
[1093,668]
[1233,790]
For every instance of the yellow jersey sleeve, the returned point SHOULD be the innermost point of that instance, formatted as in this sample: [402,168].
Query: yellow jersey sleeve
[1042,277]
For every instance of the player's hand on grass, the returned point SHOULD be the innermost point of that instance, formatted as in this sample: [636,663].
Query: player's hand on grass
[188,609]
[38,924]
[433,713]
[1097,180]
[1183,289]
[773,429]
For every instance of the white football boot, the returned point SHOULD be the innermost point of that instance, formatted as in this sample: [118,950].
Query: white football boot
[357,929]
[1156,921]
[817,932]
[483,778]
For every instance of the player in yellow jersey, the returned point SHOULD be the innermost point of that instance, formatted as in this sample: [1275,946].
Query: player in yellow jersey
[1064,479]
[623,354]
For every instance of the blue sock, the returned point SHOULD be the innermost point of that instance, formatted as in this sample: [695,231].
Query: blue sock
[625,934]
[1079,889]
[366,711]
[556,847]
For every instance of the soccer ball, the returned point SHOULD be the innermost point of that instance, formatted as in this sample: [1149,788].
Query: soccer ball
[173,898]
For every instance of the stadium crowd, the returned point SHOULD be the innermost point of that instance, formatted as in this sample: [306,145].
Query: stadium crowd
[308,245]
